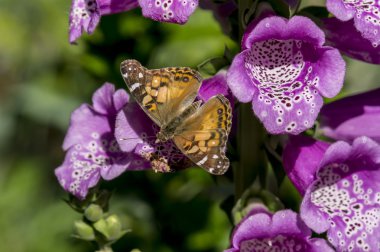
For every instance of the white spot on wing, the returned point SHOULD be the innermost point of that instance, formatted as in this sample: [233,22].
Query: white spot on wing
[215,156]
[202,161]
[141,75]
[134,86]
[125,75]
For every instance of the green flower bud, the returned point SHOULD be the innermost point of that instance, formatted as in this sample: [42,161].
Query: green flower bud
[114,227]
[93,212]
[101,226]
[84,231]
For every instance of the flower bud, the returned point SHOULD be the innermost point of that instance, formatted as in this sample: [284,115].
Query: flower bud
[93,212]
[114,227]
[84,231]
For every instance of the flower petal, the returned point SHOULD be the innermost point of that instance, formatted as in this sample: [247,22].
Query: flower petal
[366,15]
[115,6]
[344,118]
[214,86]
[301,158]
[337,35]
[238,80]
[84,16]
[279,28]
[132,127]
[80,130]
[120,99]
[283,231]
[345,197]
[330,68]
[172,11]
[102,99]
[75,180]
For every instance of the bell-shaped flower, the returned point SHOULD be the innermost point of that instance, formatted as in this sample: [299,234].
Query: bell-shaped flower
[92,150]
[365,13]
[284,70]
[353,116]
[337,35]
[343,193]
[281,231]
[85,14]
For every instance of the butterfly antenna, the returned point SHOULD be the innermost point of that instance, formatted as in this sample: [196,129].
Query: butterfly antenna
[131,138]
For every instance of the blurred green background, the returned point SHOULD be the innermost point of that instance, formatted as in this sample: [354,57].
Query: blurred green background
[43,79]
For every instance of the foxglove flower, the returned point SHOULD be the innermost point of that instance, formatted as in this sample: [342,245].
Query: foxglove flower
[365,13]
[344,196]
[92,150]
[337,35]
[136,132]
[351,117]
[284,70]
[85,14]
[282,231]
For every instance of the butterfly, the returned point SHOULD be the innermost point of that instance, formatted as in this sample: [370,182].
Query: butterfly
[167,96]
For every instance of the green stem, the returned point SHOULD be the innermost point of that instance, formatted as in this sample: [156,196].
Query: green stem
[251,137]
[105,248]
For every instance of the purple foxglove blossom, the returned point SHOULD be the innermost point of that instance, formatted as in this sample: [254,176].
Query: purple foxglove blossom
[351,117]
[214,86]
[344,198]
[284,70]
[172,11]
[136,132]
[92,150]
[301,151]
[365,13]
[85,14]
[337,35]
[282,231]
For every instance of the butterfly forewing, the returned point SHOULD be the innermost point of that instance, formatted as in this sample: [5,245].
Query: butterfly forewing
[162,93]
[203,136]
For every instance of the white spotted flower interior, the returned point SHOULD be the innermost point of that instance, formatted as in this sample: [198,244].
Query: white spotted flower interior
[282,231]
[365,13]
[172,11]
[284,70]
[85,14]
[92,150]
[344,198]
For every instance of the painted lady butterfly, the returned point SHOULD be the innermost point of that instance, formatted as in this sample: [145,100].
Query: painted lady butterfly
[167,95]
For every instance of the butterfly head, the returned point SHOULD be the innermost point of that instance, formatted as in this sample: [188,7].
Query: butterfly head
[162,137]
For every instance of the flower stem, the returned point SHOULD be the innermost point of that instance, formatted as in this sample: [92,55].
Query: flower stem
[251,137]
[105,248]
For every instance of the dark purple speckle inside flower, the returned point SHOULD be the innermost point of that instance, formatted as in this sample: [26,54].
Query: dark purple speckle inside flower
[352,206]
[277,243]
[284,77]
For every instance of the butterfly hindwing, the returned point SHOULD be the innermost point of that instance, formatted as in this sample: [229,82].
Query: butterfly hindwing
[203,136]
[162,93]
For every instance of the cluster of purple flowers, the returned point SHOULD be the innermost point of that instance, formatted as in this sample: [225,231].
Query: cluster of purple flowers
[285,68]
